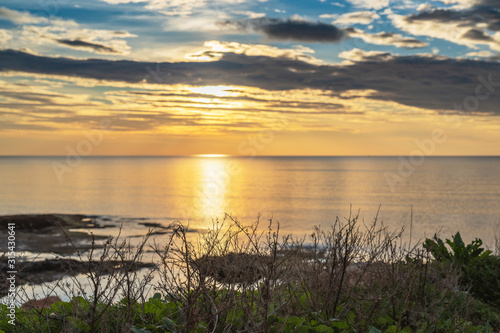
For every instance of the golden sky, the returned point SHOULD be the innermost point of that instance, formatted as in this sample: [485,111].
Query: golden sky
[122,77]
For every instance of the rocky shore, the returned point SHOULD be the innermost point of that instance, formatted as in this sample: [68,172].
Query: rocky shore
[49,270]
[51,235]
[48,233]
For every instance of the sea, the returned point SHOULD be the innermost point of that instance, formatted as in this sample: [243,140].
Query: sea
[424,195]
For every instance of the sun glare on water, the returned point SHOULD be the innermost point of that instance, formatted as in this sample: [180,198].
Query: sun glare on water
[211,155]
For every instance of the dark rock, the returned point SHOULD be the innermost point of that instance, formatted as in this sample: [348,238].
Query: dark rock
[46,222]
[232,267]
[153,225]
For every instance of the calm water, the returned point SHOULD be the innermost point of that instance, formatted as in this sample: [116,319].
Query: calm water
[455,194]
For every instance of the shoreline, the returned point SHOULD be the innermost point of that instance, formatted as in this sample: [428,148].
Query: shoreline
[54,243]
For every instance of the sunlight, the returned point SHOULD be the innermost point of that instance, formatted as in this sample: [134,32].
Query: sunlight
[214,183]
[211,155]
[219,91]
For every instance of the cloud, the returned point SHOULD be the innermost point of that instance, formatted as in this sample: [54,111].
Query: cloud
[183,8]
[461,4]
[215,50]
[425,7]
[175,108]
[249,14]
[77,43]
[290,29]
[14,125]
[371,4]
[35,32]
[5,36]
[364,17]
[303,31]
[386,38]
[92,40]
[469,26]
[427,82]
[20,18]
[481,54]
[358,55]
[170,8]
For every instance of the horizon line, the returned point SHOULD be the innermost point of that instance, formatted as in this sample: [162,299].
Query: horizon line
[244,156]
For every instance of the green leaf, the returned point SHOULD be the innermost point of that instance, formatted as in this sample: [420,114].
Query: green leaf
[374,330]
[392,329]
[293,322]
[340,324]
[301,329]
[168,324]
[323,329]
[385,320]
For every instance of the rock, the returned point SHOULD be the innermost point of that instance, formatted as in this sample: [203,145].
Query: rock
[49,232]
[41,303]
[154,225]
[49,270]
[46,222]
[232,267]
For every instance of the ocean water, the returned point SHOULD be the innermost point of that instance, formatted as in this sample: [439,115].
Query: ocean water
[446,194]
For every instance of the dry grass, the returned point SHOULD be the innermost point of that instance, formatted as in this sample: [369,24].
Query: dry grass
[497,239]
[241,278]
[110,274]
[349,268]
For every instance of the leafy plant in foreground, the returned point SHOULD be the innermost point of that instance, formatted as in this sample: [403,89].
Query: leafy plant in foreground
[480,269]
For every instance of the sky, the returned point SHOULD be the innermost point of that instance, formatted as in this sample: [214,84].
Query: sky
[250,77]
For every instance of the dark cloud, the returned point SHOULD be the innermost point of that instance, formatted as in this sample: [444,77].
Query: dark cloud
[478,24]
[478,14]
[78,44]
[478,35]
[428,82]
[314,32]
[295,30]
[487,13]
[488,3]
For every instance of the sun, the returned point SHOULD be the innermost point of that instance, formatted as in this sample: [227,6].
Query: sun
[219,91]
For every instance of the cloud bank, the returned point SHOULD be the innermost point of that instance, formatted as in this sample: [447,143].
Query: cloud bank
[428,82]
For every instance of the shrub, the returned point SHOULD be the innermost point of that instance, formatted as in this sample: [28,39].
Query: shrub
[480,269]
[353,277]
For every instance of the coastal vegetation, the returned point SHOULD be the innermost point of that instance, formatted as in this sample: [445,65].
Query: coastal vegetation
[350,277]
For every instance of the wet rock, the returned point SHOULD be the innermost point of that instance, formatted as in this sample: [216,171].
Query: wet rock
[48,233]
[37,272]
[154,225]
[46,222]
